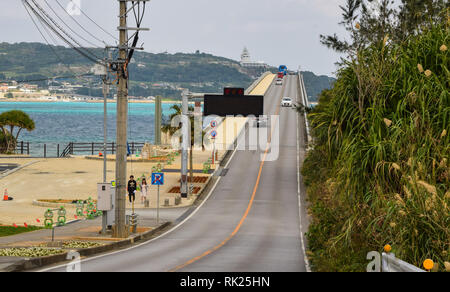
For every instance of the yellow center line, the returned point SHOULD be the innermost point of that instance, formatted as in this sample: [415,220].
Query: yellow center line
[249,207]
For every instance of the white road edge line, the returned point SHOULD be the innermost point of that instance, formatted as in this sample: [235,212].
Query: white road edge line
[308,269]
[147,242]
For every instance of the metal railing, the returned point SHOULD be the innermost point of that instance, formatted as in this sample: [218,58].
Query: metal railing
[94,148]
[390,263]
[302,91]
[23,148]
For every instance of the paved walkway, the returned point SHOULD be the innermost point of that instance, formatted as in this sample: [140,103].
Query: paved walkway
[89,229]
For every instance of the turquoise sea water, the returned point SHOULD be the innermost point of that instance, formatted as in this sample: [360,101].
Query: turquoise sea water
[64,122]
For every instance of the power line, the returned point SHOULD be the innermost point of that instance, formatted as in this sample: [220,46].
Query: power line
[54,12]
[82,27]
[43,16]
[80,47]
[87,16]
[48,43]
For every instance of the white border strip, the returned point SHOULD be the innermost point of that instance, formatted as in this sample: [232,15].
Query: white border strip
[300,208]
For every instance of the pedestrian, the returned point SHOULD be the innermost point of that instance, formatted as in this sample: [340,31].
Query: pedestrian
[144,190]
[132,189]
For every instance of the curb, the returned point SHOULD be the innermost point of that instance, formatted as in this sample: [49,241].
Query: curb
[34,263]
[17,169]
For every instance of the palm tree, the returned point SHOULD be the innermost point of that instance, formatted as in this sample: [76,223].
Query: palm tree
[167,128]
[14,119]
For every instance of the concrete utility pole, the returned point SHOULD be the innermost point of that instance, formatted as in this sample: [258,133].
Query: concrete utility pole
[120,230]
[158,117]
[185,143]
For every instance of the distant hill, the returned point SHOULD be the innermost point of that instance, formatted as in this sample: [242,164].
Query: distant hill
[151,74]
[316,84]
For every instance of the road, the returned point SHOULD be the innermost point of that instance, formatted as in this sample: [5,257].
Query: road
[250,223]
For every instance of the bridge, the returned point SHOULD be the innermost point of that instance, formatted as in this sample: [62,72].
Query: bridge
[253,218]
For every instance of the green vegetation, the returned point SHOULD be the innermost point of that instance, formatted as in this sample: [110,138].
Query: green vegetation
[379,172]
[316,84]
[9,95]
[151,74]
[30,252]
[9,121]
[11,230]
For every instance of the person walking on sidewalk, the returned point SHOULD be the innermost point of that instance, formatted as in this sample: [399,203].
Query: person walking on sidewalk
[132,189]
[144,190]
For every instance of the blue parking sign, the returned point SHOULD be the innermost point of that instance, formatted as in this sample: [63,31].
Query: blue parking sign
[157,179]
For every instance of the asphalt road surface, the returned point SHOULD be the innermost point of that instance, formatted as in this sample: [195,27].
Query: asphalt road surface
[252,220]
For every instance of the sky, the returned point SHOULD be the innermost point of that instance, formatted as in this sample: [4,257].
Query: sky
[277,32]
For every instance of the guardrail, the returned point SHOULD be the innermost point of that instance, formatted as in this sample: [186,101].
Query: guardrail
[302,89]
[256,83]
[392,264]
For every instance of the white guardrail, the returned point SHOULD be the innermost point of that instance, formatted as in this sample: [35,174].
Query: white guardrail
[389,263]
[305,101]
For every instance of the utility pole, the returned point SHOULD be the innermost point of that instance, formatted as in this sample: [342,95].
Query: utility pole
[105,137]
[185,143]
[121,67]
[158,117]
[120,230]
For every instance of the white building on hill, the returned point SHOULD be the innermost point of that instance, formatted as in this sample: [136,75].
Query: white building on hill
[246,60]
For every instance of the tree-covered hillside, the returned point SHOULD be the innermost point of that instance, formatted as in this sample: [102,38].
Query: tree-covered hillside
[151,74]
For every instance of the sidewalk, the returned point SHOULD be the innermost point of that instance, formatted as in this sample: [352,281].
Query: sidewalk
[88,230]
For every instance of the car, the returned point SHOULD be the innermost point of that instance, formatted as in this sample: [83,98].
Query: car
[279,82]
[286,102]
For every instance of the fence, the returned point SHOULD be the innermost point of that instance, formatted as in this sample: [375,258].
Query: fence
[23,148]
[73,148]
[94,148]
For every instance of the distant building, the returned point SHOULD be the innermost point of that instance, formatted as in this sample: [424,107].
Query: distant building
[246,60]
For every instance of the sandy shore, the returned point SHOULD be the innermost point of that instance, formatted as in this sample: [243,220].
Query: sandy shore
[73,179]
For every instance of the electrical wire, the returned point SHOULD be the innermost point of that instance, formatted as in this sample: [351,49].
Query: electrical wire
[45,18]
[87,16]
[72,30]
[48,43]
[82,27]
[44,13]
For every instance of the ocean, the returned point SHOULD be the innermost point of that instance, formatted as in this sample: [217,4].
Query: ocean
[65,122]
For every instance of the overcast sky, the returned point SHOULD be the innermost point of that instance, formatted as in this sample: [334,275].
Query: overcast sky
[274,31]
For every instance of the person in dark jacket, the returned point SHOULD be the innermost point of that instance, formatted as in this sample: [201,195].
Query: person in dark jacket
[132,185]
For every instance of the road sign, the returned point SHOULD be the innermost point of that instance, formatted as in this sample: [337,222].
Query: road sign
[214,134]
[233,105]
[233,91]
[158,179]
[213,124]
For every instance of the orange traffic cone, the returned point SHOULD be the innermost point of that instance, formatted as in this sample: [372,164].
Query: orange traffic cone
[5,195]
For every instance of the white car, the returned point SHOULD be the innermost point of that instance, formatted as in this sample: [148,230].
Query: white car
[286,102]
[279,82]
